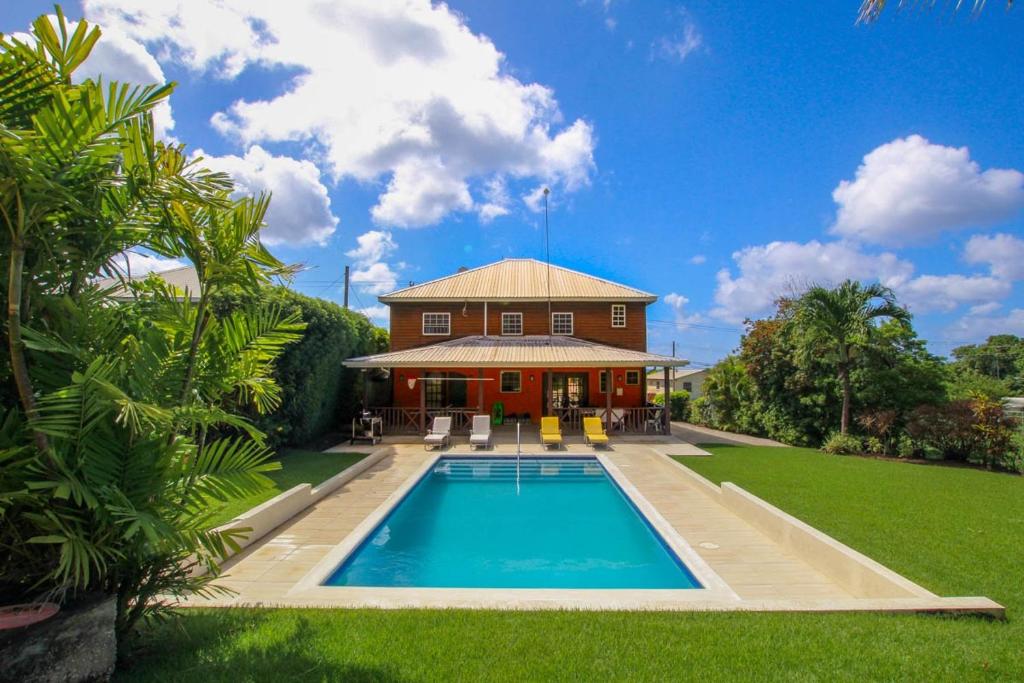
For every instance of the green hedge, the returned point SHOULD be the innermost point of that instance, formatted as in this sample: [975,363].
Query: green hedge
[679,405]
[318,394]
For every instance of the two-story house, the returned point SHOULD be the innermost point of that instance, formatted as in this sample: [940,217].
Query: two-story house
[519,339]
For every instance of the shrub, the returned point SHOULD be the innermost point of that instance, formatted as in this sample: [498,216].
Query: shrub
[702,412]
[948,428]
[905,447]
[842,444]
[875,446]
[974,430]
[996,430]
[318,394]
[679,404]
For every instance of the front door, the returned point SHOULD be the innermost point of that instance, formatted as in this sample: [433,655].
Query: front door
[569,390]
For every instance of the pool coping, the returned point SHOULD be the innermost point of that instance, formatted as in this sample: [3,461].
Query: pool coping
[712,591]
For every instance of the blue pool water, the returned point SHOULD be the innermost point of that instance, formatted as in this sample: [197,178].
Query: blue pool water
[469,523]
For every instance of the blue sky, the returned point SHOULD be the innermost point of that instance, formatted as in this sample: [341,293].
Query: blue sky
[716,154]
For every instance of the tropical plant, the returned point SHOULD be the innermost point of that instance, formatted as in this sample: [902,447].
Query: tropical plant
[839,323]
[318,392]
[123,421]
[729,395]
[842,444]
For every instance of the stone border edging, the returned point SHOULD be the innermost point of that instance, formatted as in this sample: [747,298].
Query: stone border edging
[863,577]
[271,514]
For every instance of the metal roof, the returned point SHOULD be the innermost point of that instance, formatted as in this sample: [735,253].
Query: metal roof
[182,278]
[688,372]
[521,279]
[525,352]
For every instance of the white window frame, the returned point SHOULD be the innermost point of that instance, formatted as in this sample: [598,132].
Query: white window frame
[519,382]
[572,323]
[602,379]
[622,309]
[511,316]
[423,326]
[636,373]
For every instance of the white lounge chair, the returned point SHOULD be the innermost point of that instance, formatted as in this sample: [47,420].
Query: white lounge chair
[480,436]
[440,433]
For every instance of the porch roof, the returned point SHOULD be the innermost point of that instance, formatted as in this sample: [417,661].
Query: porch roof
[510,352]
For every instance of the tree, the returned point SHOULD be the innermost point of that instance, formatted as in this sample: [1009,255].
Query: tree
[998,364]
[124,421]
[840,323]
[728,395]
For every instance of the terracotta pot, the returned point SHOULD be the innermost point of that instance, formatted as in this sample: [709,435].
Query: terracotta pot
[16,616]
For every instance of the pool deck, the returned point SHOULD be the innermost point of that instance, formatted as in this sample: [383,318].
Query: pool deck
[732,541]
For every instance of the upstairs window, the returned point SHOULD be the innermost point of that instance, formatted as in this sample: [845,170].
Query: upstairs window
[561,323]
[618,315]
[512,323]
[437,323]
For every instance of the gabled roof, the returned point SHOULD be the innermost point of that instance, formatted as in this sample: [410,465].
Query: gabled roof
[520,279]
[181,278]
[679,373]
[514,352]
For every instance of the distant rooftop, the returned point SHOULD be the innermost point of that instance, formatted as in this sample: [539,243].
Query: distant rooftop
[182,278]
[522,279]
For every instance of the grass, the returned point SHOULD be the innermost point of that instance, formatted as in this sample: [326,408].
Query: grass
[956,531]
[297,467]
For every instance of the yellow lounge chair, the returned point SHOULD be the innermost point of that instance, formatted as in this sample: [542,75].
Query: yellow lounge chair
[550,432]
[593,432]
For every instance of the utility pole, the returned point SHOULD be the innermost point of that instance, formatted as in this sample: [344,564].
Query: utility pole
[346,287]
[673,368]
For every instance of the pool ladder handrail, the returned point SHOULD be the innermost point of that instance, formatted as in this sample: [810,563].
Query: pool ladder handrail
[517,457]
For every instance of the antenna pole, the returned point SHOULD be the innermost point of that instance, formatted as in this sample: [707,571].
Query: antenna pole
[547,256]
[346,287]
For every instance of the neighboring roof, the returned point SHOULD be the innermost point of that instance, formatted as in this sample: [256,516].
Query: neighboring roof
[182,278]
[680,373]
[510,352]
[521,279]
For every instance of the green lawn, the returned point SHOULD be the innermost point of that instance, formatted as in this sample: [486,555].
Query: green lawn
[958,532]
[297,467]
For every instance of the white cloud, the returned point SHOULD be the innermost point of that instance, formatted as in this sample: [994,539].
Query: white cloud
[136,263]
[1003,253]
[678,304]
[978,325]
[376,278]
[948,292]
[300,210]
[679,46]
[698,259]
[498,200]
[400,90]
[769,271]
[372,274]
[379,314]
[374,246]
[984,309]
[910,190]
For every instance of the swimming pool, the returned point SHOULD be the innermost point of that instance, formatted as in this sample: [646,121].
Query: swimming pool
[498,523]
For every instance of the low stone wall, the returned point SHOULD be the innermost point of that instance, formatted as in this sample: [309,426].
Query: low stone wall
[266,517]
[854,571]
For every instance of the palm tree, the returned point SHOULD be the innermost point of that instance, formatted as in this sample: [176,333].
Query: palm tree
[870,10]
[840,322]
